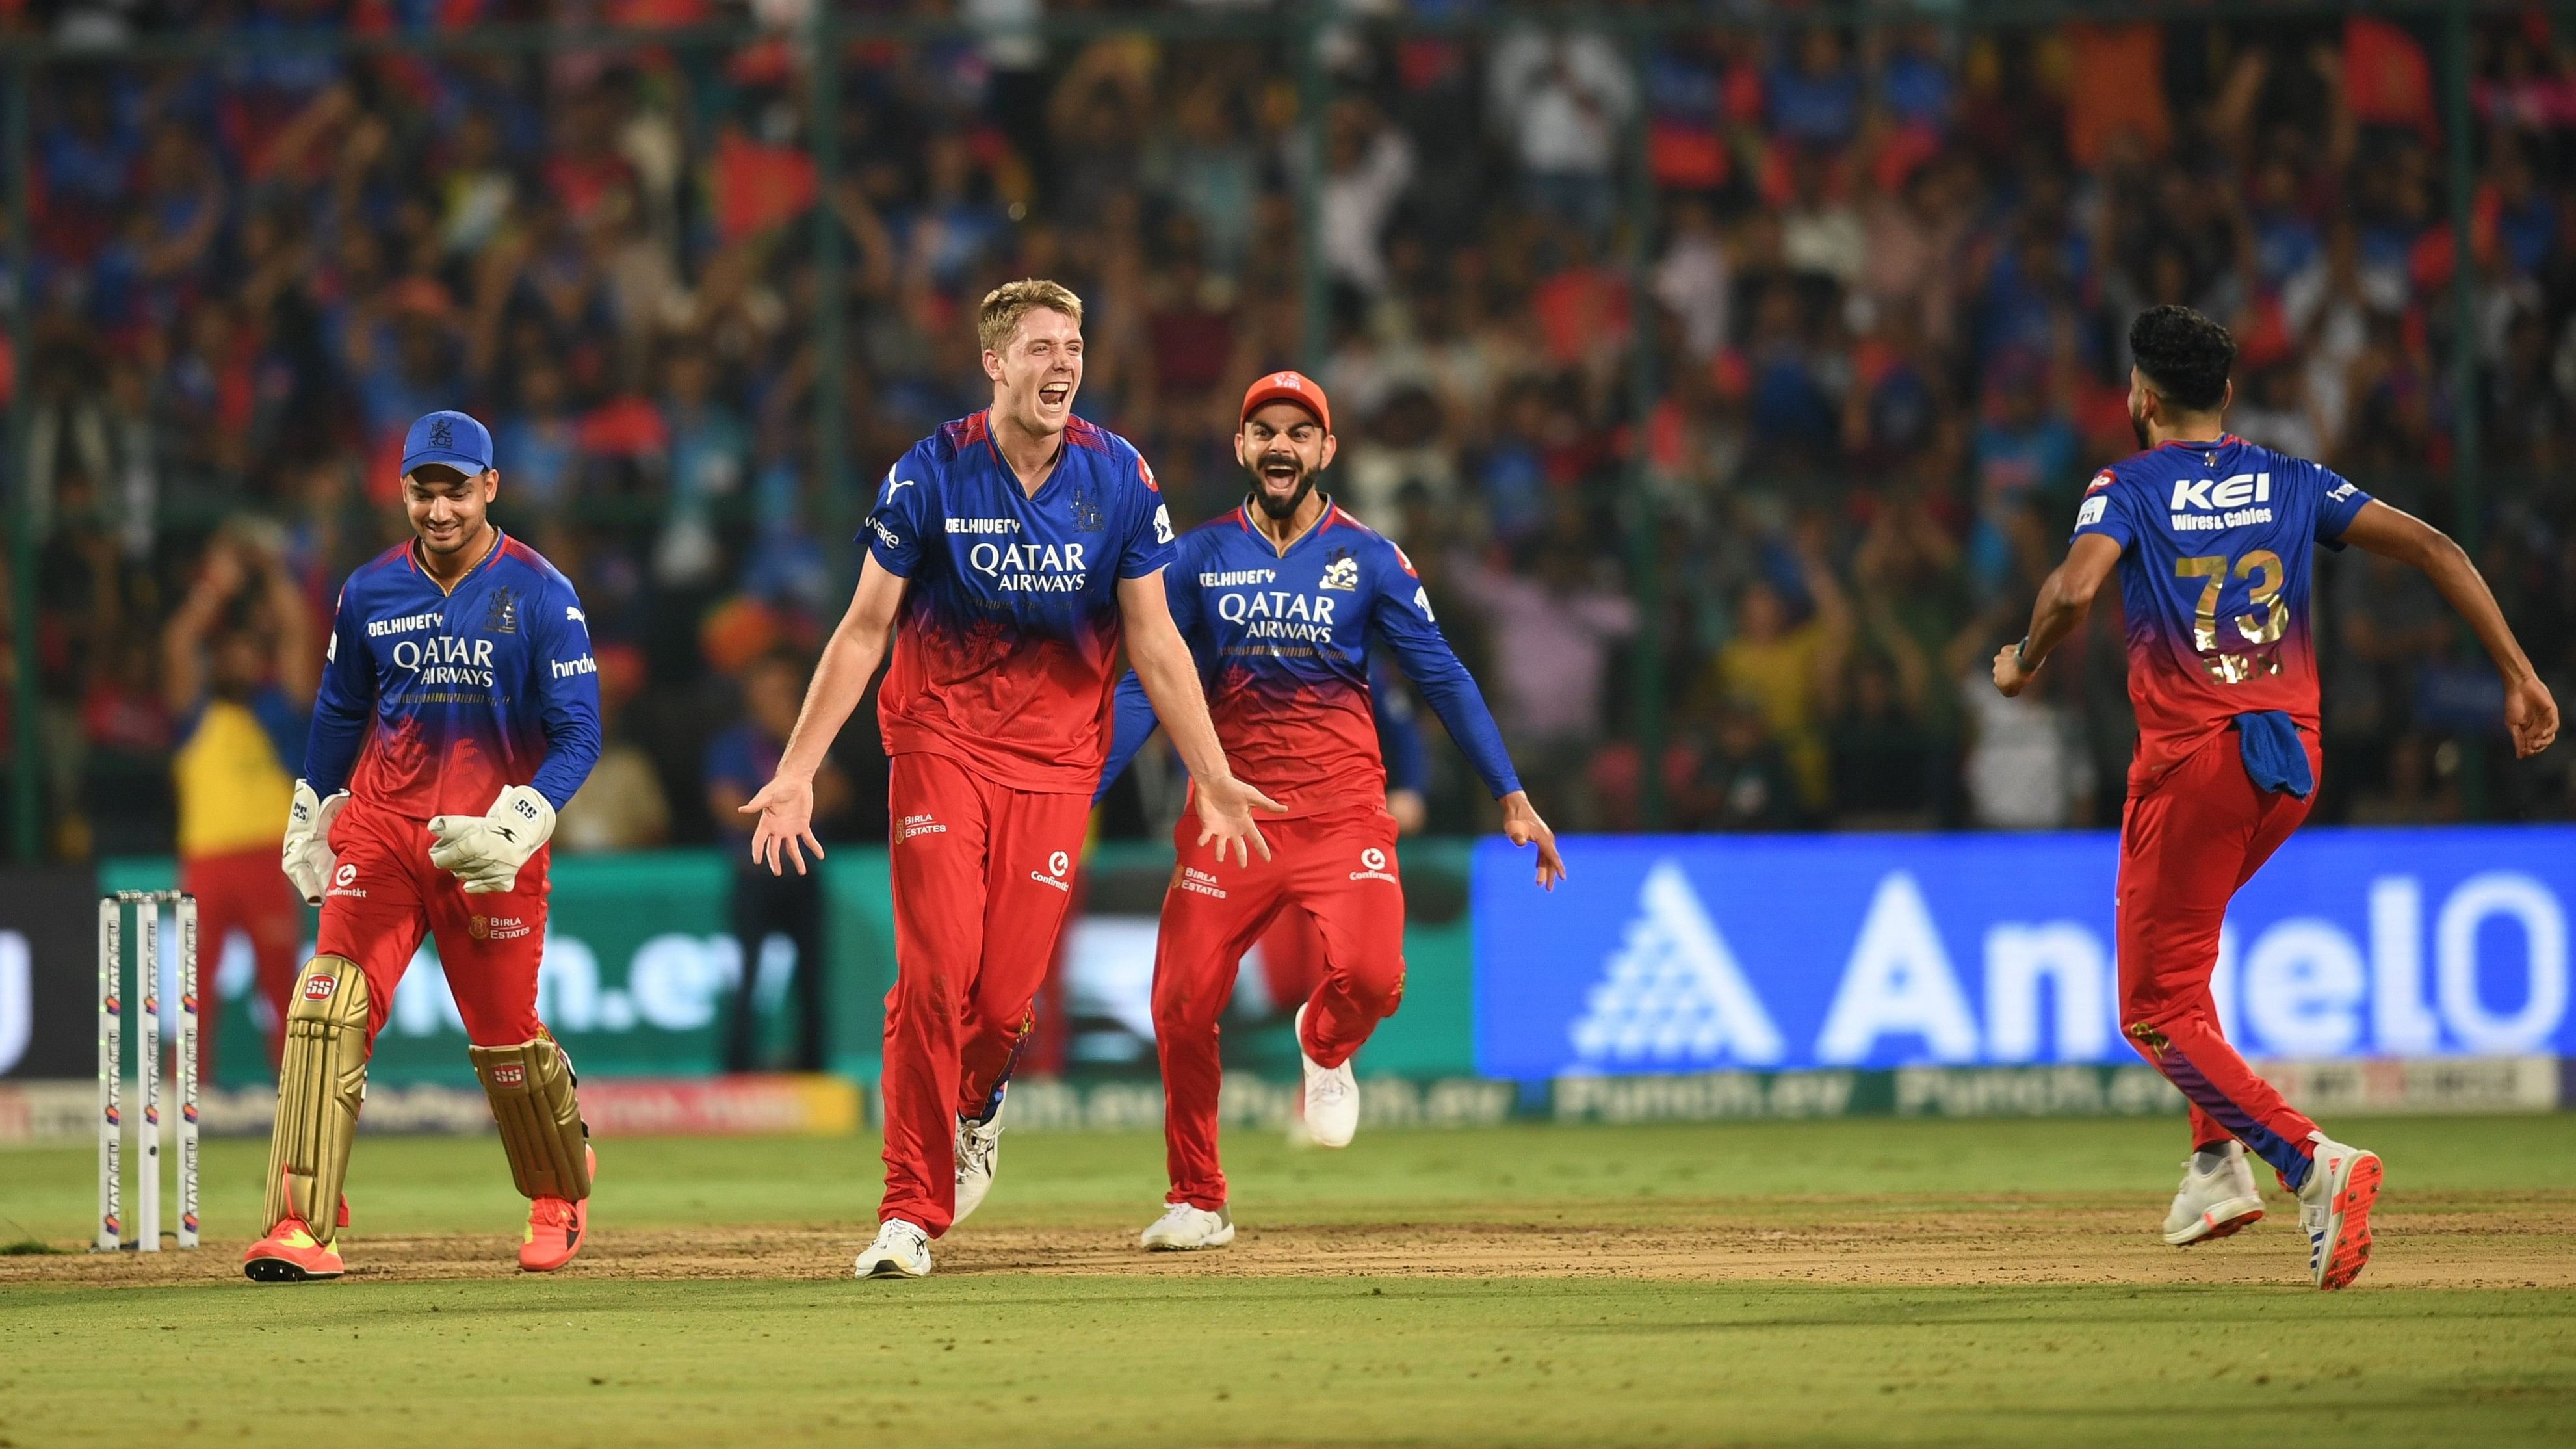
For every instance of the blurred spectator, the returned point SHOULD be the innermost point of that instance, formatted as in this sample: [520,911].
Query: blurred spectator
[238,672]
[1551,634]
[621,805]
[1742,781]
[1883,760]
[1367,165]
[2026,767]
[1691,280]
[1561,97]
[2026,449]
[739,761]
[1787,673]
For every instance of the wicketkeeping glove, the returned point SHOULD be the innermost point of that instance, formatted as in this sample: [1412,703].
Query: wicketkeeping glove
[485,851]
[308,857]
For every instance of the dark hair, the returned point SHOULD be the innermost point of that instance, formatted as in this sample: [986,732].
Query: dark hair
[2184,354]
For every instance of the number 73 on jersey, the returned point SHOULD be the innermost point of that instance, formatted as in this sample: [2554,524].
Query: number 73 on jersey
[2263,574]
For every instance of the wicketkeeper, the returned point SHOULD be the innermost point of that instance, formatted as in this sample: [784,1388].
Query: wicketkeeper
[459,710]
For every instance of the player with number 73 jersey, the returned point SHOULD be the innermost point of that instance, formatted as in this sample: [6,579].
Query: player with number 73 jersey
[2212,537]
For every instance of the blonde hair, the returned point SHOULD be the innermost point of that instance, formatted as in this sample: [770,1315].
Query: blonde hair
[1006,304]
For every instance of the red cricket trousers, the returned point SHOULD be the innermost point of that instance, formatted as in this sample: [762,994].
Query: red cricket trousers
[1338,868]
[245,891]
[982,877]
[2186,845]
[384,894]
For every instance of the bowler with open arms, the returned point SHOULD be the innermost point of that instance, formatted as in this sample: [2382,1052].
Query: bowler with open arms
[1009,554]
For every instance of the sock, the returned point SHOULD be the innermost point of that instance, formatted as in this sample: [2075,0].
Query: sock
[2206,1160]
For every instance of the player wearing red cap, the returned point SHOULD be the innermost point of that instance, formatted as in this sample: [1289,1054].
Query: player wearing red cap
[1009,554]
[1280,601]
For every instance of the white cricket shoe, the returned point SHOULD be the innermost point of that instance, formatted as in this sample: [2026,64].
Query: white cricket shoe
[1332,1097]
[2214,1204]
[902,1250]
[979,1156]
[1186,1229]
[2334,1207]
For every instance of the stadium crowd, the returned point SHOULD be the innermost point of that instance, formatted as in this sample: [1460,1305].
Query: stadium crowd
[1886,291]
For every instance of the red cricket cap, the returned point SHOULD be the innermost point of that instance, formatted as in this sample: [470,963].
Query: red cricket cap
[1294,387]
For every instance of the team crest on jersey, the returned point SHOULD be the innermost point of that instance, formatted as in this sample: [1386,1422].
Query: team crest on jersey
[502,616]
[1086,509]
[1341,572]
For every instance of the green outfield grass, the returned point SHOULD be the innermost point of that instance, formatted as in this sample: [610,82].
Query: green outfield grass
[1173,1353]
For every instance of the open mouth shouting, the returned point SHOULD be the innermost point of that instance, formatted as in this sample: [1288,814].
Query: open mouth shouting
[1283,483]
[1055,397]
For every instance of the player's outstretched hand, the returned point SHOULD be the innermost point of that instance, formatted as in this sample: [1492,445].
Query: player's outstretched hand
[2010,677]
[2531,714]
[1225,816]
[1521,826]
[786,809]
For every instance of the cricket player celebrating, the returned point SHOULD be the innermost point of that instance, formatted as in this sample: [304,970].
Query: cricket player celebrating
[459,710]
[1280,601]
[2211,536]
[1016,547]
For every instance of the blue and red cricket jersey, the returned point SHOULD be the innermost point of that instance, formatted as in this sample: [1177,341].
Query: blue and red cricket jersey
[1009,631]
[434,700]
[2215,540]
[1282,642]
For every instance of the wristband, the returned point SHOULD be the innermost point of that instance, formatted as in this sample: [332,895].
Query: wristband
[2021,656]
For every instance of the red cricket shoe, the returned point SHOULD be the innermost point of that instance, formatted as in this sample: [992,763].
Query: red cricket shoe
[290,1255]
[2334,1207]
[555,1227]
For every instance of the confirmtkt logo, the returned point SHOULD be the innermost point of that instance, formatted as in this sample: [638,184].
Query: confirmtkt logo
[1057,865]
[1373,866]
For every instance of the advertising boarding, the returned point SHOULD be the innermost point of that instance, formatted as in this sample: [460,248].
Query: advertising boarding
[1693,954]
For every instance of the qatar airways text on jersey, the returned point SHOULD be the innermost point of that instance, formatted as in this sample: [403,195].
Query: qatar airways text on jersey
[433,699]
[1282,638]
[1009,633]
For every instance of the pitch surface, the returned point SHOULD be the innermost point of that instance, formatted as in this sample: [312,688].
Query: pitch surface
[1841,1283]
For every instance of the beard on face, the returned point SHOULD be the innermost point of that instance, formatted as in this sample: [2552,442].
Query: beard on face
[1277,507]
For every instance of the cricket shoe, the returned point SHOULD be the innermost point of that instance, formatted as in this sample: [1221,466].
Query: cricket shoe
[2214,1204]
[1332,1096]
[979,1156]
[2334,1206]
[556,1226]
[901,1250]
[1186,1229]
[289,1254]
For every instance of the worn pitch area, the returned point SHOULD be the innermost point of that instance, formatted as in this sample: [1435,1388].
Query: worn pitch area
[2435,1241]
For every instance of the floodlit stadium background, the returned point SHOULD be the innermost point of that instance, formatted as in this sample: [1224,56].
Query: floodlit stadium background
[1729,371]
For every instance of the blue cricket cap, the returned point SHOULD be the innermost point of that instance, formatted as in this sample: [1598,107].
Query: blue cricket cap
[451,438]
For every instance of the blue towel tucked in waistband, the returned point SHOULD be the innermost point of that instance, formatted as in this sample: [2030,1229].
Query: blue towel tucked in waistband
[2275,760]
